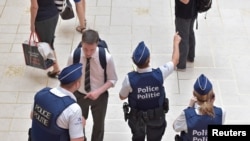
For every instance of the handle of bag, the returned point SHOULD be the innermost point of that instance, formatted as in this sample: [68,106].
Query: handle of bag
[34,37]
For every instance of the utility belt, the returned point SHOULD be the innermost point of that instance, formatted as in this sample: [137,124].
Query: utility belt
[147,115]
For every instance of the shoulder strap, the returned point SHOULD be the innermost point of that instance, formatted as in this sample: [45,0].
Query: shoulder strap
[103,61]
[102,58]
[77,54]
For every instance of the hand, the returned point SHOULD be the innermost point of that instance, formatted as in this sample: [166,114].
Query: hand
[93,95]
[192,101]
[177,38]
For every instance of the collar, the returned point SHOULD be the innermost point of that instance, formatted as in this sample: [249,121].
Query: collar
[148,69]
[196,106]
[61,92]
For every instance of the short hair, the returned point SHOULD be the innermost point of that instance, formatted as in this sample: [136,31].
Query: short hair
[144,65]
[90,36]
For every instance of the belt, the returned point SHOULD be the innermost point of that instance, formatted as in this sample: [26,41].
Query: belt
[148,114]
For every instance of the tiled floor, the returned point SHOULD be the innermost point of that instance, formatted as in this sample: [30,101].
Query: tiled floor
[222,54]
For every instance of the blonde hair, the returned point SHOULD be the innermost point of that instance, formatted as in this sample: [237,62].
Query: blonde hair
[206,103]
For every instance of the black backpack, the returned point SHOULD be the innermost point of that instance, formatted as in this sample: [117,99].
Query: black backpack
[203,5]
[102,55]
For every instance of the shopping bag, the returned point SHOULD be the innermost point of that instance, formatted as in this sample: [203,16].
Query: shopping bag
[32,55]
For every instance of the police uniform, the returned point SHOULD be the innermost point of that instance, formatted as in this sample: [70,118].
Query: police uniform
[191,123]
[56,115]
[146,94]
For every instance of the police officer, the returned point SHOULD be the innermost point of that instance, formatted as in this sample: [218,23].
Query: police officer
[145,92]
[193,121]
[55,115]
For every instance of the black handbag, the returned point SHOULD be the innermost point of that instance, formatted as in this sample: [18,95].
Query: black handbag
[68,12]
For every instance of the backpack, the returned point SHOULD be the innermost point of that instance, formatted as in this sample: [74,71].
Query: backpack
[102,55]
[203,5]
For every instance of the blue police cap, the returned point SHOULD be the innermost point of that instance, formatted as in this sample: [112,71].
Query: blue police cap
[141,54]
[70,73]
[202,85]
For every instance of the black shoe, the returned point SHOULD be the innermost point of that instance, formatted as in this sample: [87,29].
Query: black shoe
[191,60]
[52,74]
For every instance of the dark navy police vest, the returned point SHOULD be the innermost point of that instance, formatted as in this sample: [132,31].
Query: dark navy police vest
[47,108]
[197,124]
[147,90]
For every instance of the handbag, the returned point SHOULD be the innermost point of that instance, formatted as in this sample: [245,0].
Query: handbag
[37,54]
[67,12]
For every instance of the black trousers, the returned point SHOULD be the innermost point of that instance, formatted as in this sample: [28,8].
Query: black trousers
[187,44]
[152,128]
[98,108]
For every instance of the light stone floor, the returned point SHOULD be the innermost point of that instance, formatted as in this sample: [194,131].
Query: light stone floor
[222,54]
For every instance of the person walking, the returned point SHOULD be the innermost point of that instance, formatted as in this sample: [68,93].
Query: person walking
[146,94]
[93,93]
[43,21]
[55,114]
[194,120]
[185,15]
[81,14]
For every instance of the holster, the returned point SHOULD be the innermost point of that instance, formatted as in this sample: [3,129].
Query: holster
[126,110]
[180,137]
[166,105]
[29,134]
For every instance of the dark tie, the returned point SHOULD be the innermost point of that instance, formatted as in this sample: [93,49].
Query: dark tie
[87,76]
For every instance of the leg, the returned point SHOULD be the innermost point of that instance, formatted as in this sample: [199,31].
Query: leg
[81,9]
[191,53]
[83,103]
[156,129]
[137,127]
[99,108]
[46,33]
[182,26]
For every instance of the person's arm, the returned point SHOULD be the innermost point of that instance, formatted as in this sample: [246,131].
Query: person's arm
[111,80]
[192,101]
[124,92]
[75,125]
[80,10]
[33,13]
[121,97]
[179,123]
[185,1]
[176,52]
[93,95]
